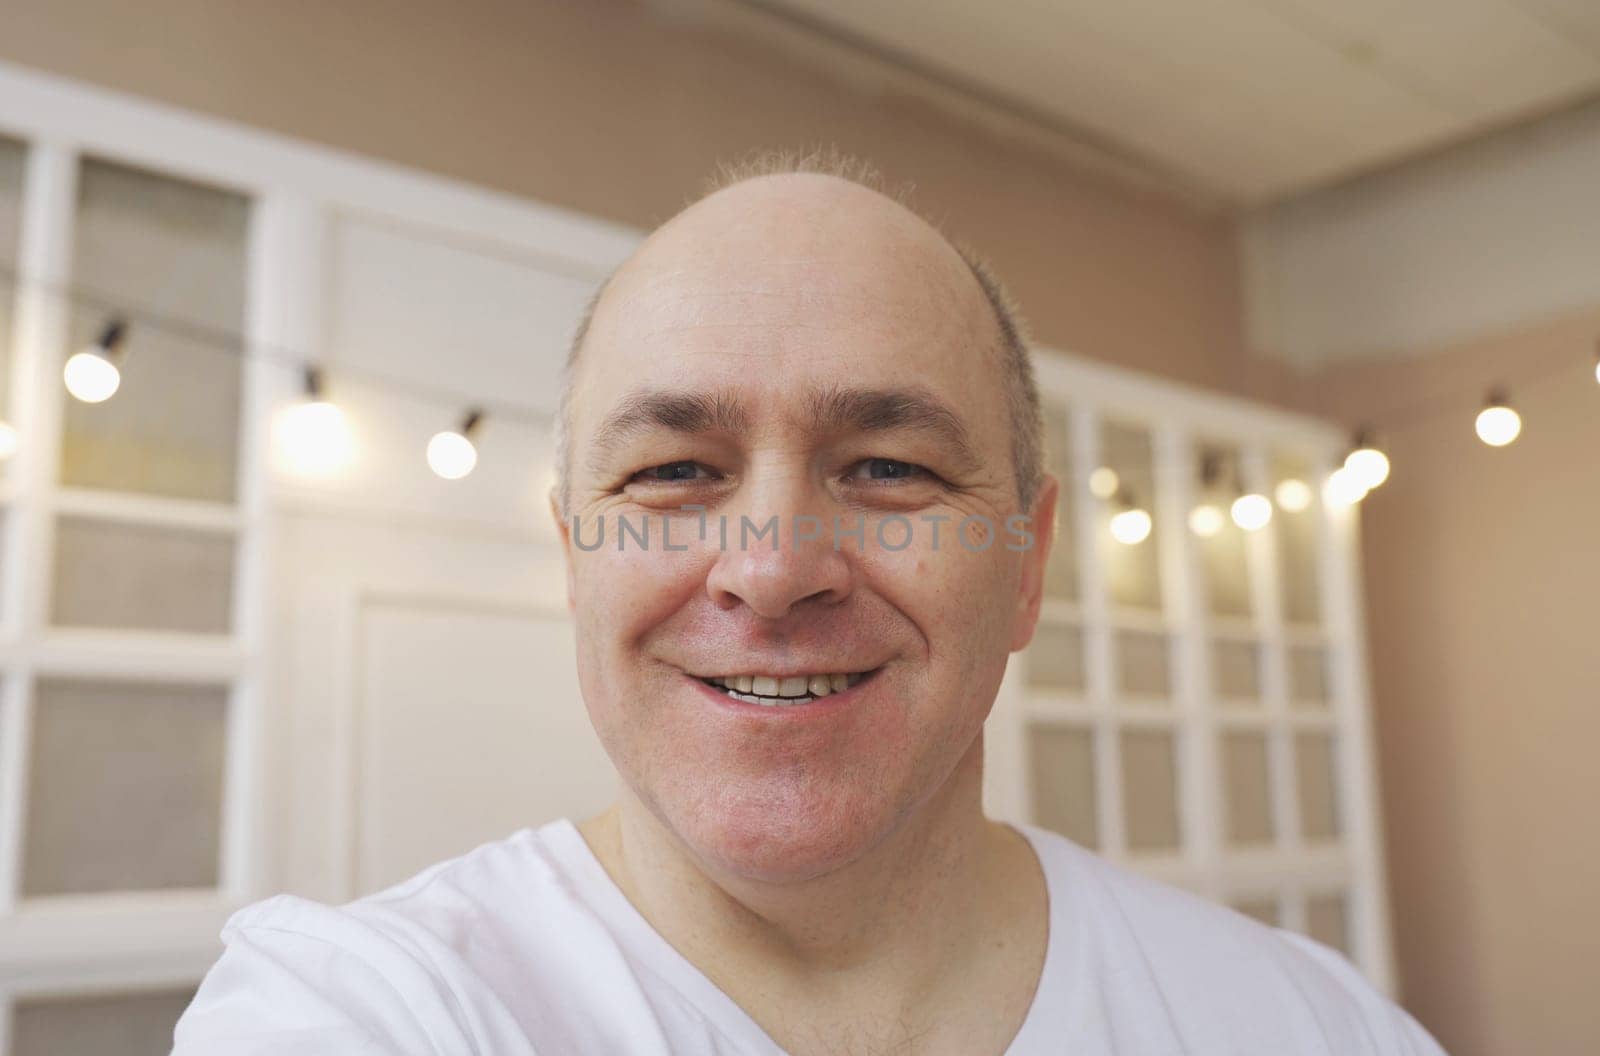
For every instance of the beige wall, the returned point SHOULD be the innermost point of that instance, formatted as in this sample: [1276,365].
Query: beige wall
[1483,601]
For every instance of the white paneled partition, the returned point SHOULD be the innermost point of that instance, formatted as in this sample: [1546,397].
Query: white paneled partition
[1195,704]
[364,673]
[215,681]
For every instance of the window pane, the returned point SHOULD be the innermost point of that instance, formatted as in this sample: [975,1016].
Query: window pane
[1223,553]
[1236,672]
[125,787]
[1055,658]
[1315,778]
[1245,787]
[170,257]
[141,577]
[1263,909]
[1298,577]
[1144,663]
[13,158]
[1133,571]
[1327,921]
[1308,676]
[138,1024]
[1149,789]
[1061,573]
[1062,761]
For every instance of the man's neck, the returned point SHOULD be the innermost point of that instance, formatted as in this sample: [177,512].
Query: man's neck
[892,935]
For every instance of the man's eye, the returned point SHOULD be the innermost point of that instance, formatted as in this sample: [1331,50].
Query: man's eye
[886,469]
[672,472]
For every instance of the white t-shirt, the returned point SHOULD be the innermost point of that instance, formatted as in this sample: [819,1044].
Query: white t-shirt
[526,946]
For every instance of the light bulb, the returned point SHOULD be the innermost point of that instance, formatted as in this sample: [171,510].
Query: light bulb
[91,377]
[1103,482]
[1343,488]
[1370,466]
[1251,512]
[1130,527]
[1206,520]
[1498,425]
[313,439]
[1293,494]
[1597,367]
[451,455]
[9,441]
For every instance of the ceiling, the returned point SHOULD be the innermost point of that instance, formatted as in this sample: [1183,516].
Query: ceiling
[1249,100]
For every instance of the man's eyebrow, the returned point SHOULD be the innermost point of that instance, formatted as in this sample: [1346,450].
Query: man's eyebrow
[832,410]
[680,412]
[839,410]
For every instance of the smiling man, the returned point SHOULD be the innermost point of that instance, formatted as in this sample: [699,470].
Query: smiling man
[805,525]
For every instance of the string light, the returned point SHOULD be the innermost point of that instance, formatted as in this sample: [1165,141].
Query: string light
[1131,525]
[1104,482]
[312,438]
[1206,520]
[1251,512]
[1343,488]
[1293,494]
[1367,462]
[1497,423]
[451,454]
[92,375]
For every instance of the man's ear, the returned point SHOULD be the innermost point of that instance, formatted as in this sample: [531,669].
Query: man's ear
[564,533]
[1038,538]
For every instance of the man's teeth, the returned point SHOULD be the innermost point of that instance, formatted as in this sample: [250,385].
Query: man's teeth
[796,689]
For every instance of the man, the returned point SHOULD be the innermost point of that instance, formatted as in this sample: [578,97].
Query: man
[799,861]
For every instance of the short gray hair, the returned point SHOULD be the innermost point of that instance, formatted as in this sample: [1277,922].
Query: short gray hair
[1022,388]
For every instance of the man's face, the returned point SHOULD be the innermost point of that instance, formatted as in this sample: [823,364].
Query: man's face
[800,348]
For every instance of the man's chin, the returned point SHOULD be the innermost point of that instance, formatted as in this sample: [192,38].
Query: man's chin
[764,840]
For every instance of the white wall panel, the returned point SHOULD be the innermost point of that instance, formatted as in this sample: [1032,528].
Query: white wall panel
[1493,235]
[472,728]
[476,319]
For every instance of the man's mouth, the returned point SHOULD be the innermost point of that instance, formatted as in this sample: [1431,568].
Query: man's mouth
[775,691]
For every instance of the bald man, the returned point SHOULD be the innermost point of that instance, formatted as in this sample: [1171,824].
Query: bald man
[798,861]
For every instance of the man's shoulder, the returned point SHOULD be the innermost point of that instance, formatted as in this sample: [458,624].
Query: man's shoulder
[1217,971]
[501,876]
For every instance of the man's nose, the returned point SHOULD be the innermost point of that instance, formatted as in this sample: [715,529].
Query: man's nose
[781,555]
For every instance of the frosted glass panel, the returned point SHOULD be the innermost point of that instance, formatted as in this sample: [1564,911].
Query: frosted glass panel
[1315,777]
[1061,573]
[1308,676]
[1245,787]
[1144,663]
[125,787]
[1327,921]
[1236,672]
[1055,658]
[168,256]
[1149,790]
[1263,909]
[13,158]
[137,1024]
[141,577]
[1062,770]
[1223,554]
[1299,581]
[1133,572]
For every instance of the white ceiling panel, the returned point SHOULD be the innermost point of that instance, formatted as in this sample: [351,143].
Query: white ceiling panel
[1480,58]
[1250,98]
